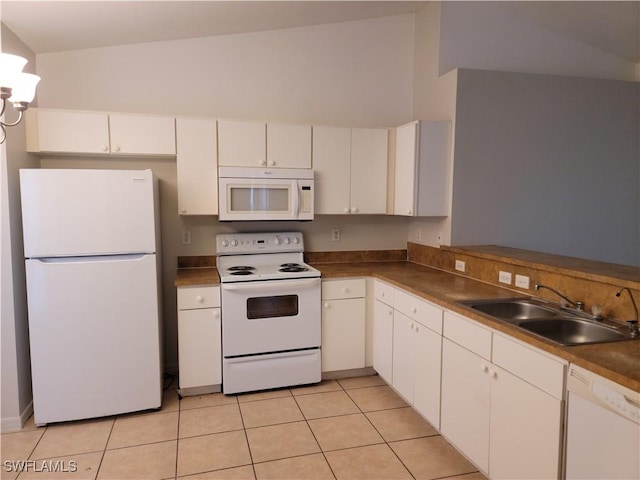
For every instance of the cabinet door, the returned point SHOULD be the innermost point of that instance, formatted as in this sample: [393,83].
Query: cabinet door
[331,157]
[383,340]
[369,170]
[403,347]
[288,146]
[60,131]
[343,331]
[427,362]
[405,170]
[142,135]
[197,166]
[535,417]
[464,415]
[241,144]
[199,347]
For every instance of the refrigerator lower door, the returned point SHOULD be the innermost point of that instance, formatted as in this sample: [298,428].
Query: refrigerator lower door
[94,328]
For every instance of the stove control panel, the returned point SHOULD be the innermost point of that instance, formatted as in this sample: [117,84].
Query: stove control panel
[245,243]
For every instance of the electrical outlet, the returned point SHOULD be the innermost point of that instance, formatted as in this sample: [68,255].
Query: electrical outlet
[439,238]
[504,277]
[418,235]
[522,281]
[460,266]
[186,237]
[335,235]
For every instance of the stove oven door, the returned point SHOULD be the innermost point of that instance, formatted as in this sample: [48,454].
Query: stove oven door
[270,316]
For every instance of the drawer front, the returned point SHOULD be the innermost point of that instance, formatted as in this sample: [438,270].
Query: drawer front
[384,292]
[525,362]
[420,310]
[190,298]
[467,334]
[338,289]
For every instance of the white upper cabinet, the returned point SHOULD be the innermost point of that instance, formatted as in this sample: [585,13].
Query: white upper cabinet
[422,169]
[242,144]
[331,167]
[99,133]
[350,167]
[197,166]
[142,135]
[256,144]
[288,146]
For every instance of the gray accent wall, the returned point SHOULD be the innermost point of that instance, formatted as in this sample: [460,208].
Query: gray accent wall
[548,163]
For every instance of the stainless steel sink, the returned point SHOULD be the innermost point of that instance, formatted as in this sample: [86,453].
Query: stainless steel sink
[573,331]
[552,322]
[514,310]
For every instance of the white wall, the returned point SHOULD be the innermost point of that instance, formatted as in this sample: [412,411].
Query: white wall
[494,36]
[16,372]
[548,163]
[353,74]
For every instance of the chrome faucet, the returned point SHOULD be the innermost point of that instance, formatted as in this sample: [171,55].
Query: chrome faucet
[579,305]
[633,324]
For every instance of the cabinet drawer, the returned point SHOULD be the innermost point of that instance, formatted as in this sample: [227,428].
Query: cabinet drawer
[190,298]
[467,334]
[337,289]
[383,292]
[535,367]
[420,310]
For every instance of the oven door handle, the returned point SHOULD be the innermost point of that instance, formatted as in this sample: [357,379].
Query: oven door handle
[270,284]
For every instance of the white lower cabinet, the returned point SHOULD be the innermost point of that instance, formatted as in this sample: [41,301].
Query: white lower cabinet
[343,324]
[383,330]
[199,339]
[501,401]
[407,348]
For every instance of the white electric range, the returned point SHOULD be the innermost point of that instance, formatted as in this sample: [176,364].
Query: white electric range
[271,318]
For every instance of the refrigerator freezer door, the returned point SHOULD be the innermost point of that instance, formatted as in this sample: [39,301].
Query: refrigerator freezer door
[95,336]
[87,212]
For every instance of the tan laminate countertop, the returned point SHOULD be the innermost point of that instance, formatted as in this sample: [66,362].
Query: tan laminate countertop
[619,362]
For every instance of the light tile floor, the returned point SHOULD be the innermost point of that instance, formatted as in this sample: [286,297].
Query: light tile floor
[355,428]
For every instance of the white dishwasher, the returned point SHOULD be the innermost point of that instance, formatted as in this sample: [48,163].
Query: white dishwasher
[603,428]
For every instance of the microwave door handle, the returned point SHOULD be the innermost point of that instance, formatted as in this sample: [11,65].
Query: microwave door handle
[296,200]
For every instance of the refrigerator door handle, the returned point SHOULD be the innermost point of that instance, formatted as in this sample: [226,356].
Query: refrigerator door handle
[94,258]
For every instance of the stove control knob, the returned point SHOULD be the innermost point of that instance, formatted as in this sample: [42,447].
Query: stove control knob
[287,240]
[234,243]
[278,241]
[296,240]
[224,243]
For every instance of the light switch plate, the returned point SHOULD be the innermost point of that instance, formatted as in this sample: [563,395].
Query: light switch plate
[522,281]
[460,266]
[504,277]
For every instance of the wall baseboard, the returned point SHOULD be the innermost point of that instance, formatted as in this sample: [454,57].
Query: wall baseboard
[14,424]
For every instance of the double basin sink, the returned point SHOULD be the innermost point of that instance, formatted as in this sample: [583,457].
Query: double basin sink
[551,322]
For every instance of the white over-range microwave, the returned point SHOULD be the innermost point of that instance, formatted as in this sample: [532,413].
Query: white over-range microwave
[265,193]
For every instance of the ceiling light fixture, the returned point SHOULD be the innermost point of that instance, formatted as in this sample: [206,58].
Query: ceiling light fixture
[15,86]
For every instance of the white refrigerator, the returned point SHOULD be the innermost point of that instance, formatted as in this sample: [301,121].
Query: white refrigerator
[91,243]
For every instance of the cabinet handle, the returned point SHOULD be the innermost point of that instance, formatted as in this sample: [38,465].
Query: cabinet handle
[104,148]
[272,163]
[199,299]
[326,305]
[389,312]
[409,212]
[493,374]
[345,290]
[116,148]
[346,210]
[414,310]
[216,314]
[262,163]
[183,210]
[484,368]
[354,209]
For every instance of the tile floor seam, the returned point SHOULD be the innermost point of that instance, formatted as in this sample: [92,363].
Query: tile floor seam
[175,475]
[316,438]
[104,450]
